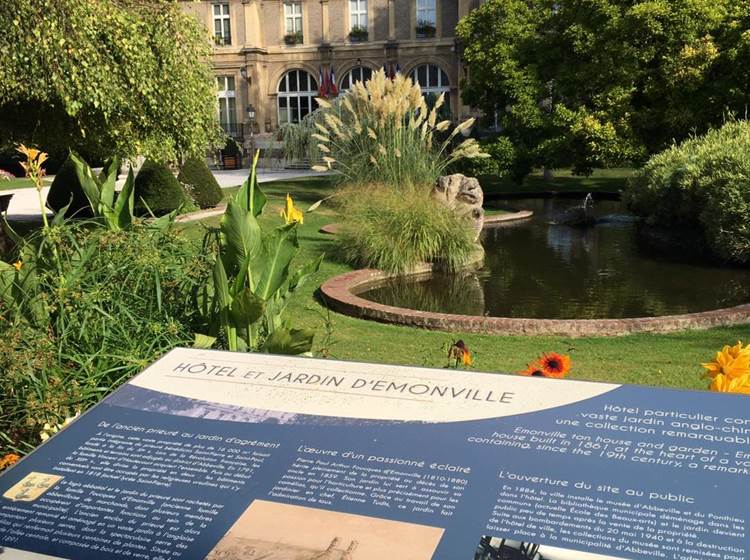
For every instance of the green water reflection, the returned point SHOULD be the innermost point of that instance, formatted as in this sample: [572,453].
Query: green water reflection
[539,270]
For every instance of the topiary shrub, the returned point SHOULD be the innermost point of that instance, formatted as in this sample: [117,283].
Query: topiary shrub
[65,186]
[157,190]
[200,182]
[702,184]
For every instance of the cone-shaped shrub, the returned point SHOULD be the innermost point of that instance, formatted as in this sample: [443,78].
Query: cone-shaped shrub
[156,189]
[200,182]
[65,186]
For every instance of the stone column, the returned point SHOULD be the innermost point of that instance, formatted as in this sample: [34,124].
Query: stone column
[391,20]
[325,32]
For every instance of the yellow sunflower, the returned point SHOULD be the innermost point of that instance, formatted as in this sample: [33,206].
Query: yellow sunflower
[724,384]
[732,361]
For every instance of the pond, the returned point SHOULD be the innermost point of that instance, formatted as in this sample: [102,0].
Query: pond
[539,269]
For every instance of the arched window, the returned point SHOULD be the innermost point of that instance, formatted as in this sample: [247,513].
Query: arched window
[357,74]
[296,96]
[433,81]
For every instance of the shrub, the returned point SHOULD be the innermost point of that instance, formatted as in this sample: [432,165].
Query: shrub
[157,190]
[395,230]
[703,183]
[200,182]
[382,131]
[502,161]
[65,186]
[117,301]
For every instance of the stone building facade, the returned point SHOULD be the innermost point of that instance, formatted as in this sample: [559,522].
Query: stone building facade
[271,57]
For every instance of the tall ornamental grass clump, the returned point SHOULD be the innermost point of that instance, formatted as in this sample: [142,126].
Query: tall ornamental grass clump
[382,131]
[396,230]
[701,184]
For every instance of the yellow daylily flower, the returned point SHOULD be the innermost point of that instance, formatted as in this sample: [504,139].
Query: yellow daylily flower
[18,265]
[290,213]
[30,153]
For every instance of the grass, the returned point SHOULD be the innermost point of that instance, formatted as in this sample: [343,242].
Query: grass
[602,181]
[17,183]
[667,360]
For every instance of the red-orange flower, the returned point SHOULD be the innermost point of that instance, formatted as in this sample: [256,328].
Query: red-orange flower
[550,364]
[555,365]
[9,460]
[534,369]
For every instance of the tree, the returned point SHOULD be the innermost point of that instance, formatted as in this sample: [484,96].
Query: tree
[605,82]
[106,76]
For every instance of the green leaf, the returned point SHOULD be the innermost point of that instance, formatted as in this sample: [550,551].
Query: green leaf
[290,342]
[240,236]
[59,217]
[221,286]
[272,267]
[123,209]
[250,197]
[203,341]
[247,308]
[107,180]
[89,183]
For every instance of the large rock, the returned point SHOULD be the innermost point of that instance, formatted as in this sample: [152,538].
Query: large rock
[464,195]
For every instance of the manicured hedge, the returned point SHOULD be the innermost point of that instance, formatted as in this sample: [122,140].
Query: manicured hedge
[64,186]
[200,182]
[157,189]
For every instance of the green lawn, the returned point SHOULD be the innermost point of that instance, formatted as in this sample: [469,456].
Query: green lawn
[17,183]
[602,180]
[671,360]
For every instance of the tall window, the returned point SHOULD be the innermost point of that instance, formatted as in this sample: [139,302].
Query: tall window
[222,30]
[433,81]
[358,74]
[358,14]
[426,18]
[227,105]
[296,96]
[293,18]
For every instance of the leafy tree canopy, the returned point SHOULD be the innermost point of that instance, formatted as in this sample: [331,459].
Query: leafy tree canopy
[603,82]
[104,76]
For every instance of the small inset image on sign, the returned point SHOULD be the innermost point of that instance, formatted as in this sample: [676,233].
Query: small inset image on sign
[31,487]
[493,548]
[274,531]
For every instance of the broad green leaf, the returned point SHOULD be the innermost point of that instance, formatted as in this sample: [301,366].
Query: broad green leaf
[250,197]
[221,286]
[240,236]
[89,183]
[123,209]
[107,180]
[247,308]
[289,341]
[203,341]
[272,267]
[302,273]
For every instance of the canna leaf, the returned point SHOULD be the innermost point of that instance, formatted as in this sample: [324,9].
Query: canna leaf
[271,268]
[240,236]
[247,308]
[289,341]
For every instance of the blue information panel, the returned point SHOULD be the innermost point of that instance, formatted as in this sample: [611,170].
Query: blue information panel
[247,456]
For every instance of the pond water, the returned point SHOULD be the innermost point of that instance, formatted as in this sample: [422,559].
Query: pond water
[539,269]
